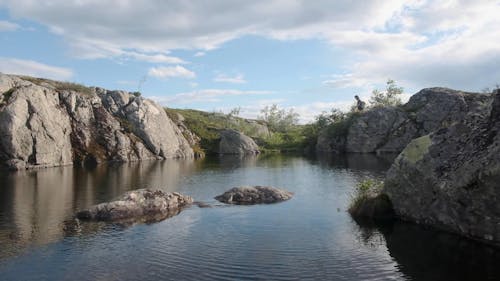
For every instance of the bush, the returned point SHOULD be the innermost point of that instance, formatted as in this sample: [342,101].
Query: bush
[368,201]
[391,96]
[279,120]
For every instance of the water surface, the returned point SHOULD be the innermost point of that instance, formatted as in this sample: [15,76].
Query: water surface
[309,237]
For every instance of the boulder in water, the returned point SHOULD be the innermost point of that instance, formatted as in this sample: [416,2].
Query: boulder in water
[249,195]
[138,205]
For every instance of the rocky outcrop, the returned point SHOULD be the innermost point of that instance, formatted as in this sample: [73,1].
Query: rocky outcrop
[389,129]
[449,179]
[141,204]
[47,123]
[234,142]
[249,195]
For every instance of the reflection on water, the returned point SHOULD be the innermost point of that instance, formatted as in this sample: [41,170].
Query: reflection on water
[35,204]
[426,254]
[308,237]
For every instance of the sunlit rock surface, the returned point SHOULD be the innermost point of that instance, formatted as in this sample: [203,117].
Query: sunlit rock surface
[47,123]
[138,205]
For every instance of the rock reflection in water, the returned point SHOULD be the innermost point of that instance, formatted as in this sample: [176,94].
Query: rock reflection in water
[37,204]
[427,254]
[357,161]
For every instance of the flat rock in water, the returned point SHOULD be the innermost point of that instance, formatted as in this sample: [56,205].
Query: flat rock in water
[249,195]
[138,205]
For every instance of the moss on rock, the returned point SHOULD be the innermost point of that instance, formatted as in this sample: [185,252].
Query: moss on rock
[416,149]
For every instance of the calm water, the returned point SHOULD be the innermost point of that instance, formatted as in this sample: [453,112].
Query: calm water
[308,237]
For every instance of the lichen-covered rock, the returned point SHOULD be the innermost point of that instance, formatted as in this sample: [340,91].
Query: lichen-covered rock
[48,123]
[234,142]
[248,195]
[138,205]
[390,129]
[449,179]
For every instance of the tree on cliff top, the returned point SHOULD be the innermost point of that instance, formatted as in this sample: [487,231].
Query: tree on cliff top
[389,97]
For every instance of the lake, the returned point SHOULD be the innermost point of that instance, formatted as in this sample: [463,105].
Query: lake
[310,237]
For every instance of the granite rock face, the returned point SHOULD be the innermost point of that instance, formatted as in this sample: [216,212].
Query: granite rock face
[234,142]
[44,124]
[388,129]
[449,179]
[249,195]
[141,204]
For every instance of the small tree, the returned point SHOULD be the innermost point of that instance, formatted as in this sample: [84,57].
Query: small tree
[391,96]
[235,111]
[279,120]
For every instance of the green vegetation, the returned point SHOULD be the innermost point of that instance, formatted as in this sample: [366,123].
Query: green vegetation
[389,97]
[206,125]
[367,199]
[60,86]
[287,135]
[279,120]
[283,133]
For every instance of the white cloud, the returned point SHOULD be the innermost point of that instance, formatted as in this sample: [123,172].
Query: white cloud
[154,58]
[8,26]
[199,54]
[33,68]
[171,72]
[223,78]
[206,95]
[419,42]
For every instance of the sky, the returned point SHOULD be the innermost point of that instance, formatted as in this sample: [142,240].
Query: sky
[309,56]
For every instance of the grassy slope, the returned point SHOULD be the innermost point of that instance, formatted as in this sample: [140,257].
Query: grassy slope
[206,124]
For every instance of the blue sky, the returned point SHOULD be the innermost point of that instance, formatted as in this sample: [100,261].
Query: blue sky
[217,55]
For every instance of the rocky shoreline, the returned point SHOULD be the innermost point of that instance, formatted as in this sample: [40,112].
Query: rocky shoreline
[448,179]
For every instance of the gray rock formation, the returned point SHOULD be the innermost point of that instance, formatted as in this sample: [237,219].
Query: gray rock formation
[248,195]
[141,204]
[47,123]
[234,142]
[391,129]
[449,179]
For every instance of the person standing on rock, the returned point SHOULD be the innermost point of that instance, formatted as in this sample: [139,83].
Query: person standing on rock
[360,105]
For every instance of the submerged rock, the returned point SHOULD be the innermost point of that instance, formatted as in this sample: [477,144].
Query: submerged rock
[248,195]
[138,205]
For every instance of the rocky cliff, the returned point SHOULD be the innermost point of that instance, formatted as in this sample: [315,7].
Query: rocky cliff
[449,178]
[390,129]
[47,123]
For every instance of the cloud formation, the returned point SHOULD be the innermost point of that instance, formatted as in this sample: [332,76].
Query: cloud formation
[418,42]
[8,26]
[33,68]
[206,95]
[171,72]
[223,78]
